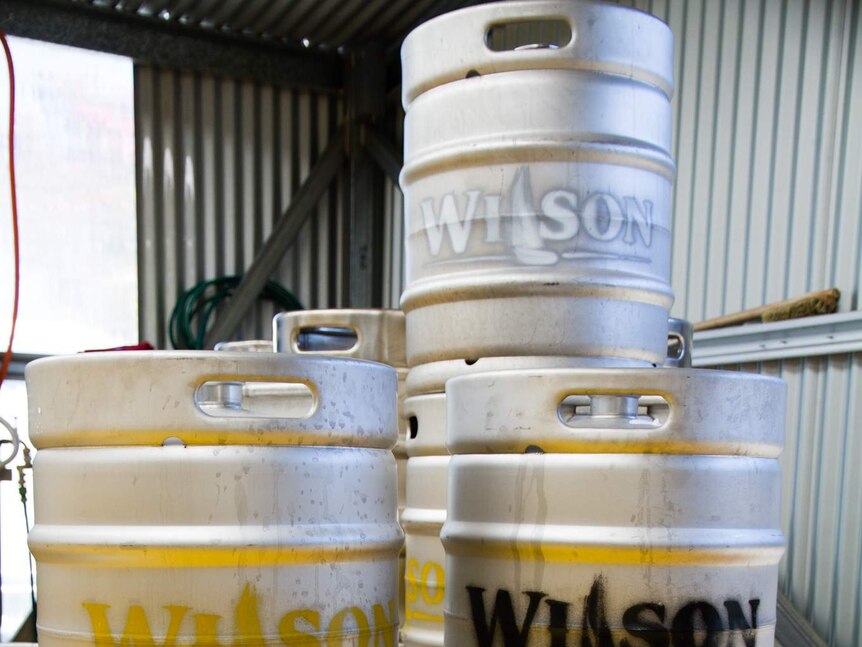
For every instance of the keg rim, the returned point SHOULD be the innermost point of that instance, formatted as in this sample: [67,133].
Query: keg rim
[453,62]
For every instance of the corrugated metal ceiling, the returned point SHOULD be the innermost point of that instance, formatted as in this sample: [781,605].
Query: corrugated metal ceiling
[320,24]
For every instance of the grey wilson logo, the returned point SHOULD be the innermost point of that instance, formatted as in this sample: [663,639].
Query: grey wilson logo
[540,234]
[647,624]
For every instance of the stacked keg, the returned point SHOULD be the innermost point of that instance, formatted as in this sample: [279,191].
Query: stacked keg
[561,489]
[214,498]
[367,334]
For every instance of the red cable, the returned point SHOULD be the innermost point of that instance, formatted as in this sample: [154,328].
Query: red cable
[7,356]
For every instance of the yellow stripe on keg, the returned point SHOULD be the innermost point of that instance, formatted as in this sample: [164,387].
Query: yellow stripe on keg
[208,557]
[618,555]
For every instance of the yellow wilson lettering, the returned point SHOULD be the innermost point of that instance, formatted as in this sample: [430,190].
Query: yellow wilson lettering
[299,628]
[433,594]
[206,630]
[335,632]
[137,630]
[383,635]
[293,636]
[411,591]
[418,582]
[247,620]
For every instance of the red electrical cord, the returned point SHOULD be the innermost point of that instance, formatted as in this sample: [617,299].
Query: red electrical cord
[7,356]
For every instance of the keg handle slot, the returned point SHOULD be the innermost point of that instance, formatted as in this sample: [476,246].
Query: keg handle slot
[613,411]
[552,32]
[325,339]
[256,399]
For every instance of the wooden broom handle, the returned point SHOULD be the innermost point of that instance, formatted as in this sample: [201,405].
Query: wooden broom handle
[754,314]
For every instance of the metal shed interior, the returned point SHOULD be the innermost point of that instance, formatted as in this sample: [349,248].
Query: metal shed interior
[268,143]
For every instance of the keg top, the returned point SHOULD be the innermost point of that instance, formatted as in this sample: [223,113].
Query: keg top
[606,38]
[210,398]
[623,410]
[379,333]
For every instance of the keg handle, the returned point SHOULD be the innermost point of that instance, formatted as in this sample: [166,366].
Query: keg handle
[613,411]
[560,25]
[301,343]
[298,338]
[238,398]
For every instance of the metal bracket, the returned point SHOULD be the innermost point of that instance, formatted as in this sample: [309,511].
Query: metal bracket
[821,335]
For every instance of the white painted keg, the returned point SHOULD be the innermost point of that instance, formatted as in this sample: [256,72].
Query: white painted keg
[542,212]
[171,509]
[423,519]
[613,524]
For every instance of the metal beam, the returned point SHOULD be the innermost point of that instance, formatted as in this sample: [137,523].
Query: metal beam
[152,41]
[384,153]
[366,94]
[283,234]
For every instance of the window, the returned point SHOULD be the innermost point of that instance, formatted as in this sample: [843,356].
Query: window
[75,165]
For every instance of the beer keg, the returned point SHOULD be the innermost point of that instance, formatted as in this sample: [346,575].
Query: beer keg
[422,519]
[172,509]
[542,212]
[612,519]
[370,334]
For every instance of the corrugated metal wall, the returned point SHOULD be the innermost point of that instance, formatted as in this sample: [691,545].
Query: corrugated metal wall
[821,508]
[769,150]
[218,162]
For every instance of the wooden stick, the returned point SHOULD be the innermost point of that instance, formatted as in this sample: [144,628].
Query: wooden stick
[820,302]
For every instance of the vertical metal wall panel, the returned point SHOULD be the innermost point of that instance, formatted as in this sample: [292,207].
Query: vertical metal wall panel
[218,163]
[822,491]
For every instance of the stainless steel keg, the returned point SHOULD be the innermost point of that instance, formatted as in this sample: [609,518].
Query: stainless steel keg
[537,186]
[610,521]
[370,334]
[422,519]
[172,509]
